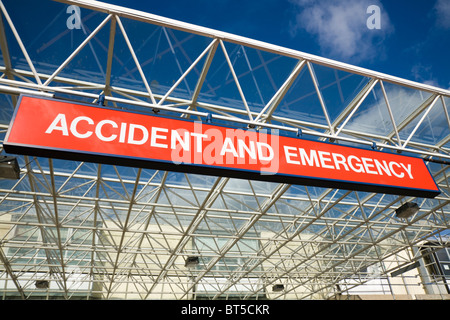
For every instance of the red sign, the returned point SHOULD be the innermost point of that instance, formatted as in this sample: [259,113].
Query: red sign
[62,129]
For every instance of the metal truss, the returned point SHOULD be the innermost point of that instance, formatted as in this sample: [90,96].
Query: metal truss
[93,231]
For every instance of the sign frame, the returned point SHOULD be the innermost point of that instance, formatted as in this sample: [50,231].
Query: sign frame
[214,170]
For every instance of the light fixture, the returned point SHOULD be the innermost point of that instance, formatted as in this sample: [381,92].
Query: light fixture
[278,287]
[407,210]
[41,284]
[191,262]
[9,168]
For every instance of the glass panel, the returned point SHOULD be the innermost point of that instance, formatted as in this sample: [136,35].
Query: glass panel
[372,116]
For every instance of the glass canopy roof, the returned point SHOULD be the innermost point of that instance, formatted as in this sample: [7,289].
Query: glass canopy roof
[73,229]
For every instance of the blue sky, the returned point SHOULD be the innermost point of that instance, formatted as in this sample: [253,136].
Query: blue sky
[412,41]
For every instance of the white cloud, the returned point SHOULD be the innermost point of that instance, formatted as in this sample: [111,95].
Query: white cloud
[423,73]
[341,27]
[442,11]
